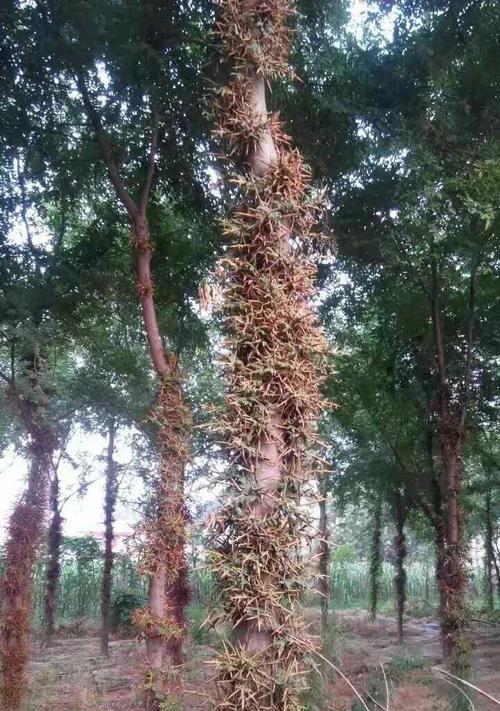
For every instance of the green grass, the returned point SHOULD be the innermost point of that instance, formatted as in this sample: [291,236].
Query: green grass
[404,664]
[80,589]
[196,615]
[350,585]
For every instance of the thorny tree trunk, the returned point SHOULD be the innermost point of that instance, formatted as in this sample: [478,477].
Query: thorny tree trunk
[54,558]
[489,554]
[267,470]
[451,429]
[440,539]
[324,582]
[273,374]
[454,576]
[164,624]
[400,547]
[111,492]
[23,540]
[440,546]
[375,561]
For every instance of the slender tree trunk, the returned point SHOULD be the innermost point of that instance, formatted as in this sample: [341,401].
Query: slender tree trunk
[454,581]
[497,570]
[23,540]
[164,624]
[376,561]
[400,577]
[111,493]
[489,554]
[324,564]
[440,546]
[273,374]
[54,559]
[451,429]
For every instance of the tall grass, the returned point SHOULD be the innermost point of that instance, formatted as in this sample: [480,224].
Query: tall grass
[80,587]
[350,584]
[79,594]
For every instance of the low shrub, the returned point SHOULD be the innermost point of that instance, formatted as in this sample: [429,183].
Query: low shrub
[123,604]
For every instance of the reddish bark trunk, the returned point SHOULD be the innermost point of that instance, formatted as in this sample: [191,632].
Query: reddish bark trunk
[164,624]
[24,535]
[174,594]
[454,577]
[451,430]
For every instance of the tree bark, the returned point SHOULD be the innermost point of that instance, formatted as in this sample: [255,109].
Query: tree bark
[400,577]
[324,564]
[454,580]
[376,561]
[171,581]
[111,493]
[489,554]
[497,571]
[451,433]
[54,559]
[273,376]
[164,624]
[23,539]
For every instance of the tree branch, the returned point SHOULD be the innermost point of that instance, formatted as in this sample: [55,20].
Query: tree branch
[469,334]
[5,378]
[437,323]
[105,146]
[151,164]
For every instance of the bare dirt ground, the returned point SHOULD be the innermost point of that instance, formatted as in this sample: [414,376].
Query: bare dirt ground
[414,686]
[70,675]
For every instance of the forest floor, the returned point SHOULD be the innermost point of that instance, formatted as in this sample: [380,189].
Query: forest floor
[70,675]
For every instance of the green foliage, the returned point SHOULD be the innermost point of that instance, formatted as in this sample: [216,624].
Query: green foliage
[123,604]
[350,585]
[197,615]
[345,553]
[79,596]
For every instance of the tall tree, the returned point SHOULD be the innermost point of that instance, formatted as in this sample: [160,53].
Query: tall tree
[400,513]
[111,491]
[137,65]
[273,371]
[25,528]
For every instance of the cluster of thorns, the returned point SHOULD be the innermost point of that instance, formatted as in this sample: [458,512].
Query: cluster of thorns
[273,371]
[164,532]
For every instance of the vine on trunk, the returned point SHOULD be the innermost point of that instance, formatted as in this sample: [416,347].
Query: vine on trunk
[275,363]
[24,535]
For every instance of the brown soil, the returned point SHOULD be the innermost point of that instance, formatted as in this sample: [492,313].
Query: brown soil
[364,647]
[70,675]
